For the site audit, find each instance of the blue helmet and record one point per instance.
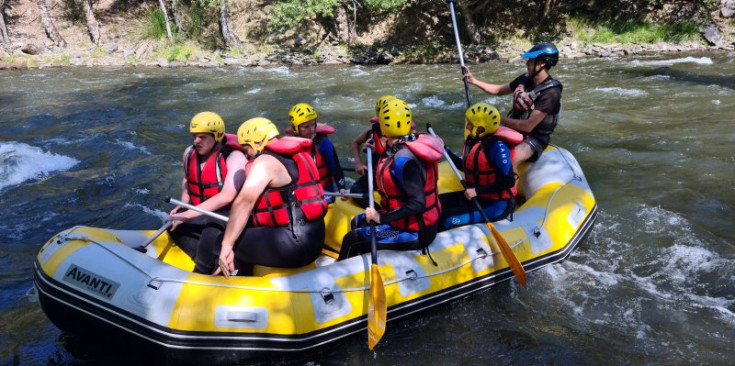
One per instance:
(546, 52)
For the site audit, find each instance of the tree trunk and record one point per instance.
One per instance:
(341, 23)
(469, 24)
(4, 35)
(548, 7)
(177, 14)
(92, 24)
(48, 25)
(224, 25)
(165, 19)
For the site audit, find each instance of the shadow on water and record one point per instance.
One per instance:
(675, 75)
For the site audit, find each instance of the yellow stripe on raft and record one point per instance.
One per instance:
(71, 246)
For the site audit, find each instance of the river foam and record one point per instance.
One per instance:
(683, 60)
(20, 162)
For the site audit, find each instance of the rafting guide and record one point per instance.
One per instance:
(536, 101)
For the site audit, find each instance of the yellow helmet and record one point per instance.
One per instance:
(395, 118)
(208, 122)
(485, 116)
(300, 114)
(381, 102)
(256, 130)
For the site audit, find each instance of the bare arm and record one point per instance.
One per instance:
(233, 181)
(266, 171)
(356, 145)
(493, 89)
(184, 188)
(524, 125)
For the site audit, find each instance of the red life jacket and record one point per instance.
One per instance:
(325, 179)
(203, 184)
(478, 170)
(428, 149)
(274, 204)
(376, 135)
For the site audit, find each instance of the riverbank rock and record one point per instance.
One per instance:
(712, 34)
(727, 8)
(111, 47)
(32, 49)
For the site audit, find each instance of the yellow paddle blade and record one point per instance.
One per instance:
(513, 262)
(377, 308)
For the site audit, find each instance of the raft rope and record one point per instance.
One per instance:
(70, 235)
(575, 177)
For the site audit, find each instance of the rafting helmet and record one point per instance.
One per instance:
(546, 52)
(256, 132)
(381, 101)
(395, 118)
(208, 122)
(300, 114)
(482, 115)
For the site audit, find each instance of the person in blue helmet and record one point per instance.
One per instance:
(536, 101)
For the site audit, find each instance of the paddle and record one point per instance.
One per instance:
(513, 262)
(197, 209)
(215, 215)
(337, 194)
(459, 50)
(507, 251)
(155, 235)
(377, 307)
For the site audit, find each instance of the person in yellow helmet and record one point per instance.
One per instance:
(278, 217)
(214, 170)
(372, 138)
(303, 120)
(406, 178)
(487, 159)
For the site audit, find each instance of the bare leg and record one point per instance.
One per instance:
(523, 152)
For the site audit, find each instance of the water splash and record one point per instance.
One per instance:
(695, 60)
(157, 213)
(130, 146)
(20, 162)
(623, 91)
(432, 101)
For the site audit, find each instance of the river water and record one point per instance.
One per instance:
(654, 282)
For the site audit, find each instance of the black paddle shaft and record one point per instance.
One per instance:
(459, 176)
(373, 244)
(459, 51)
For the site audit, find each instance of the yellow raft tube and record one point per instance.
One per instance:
(91, 282)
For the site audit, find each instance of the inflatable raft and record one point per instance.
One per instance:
(93, 283)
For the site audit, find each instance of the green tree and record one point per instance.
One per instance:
(333, 14)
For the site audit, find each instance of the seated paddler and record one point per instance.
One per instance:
(277, 218)
(214, 170)
(406, 178)
(303, 120)
(487, 162)
(369, 137)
